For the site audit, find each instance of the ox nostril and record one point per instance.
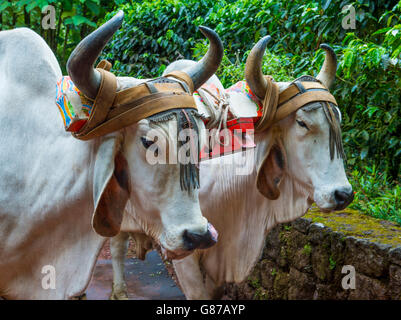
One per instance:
(343, 198)
(198, 241)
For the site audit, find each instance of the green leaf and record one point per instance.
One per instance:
(78, 20)
(374, 55)
(365, 135)
(325, 4)
(169, 34)
(349, 58)
(380, 31)
(4, 5)
(93, 7)
(364, 152)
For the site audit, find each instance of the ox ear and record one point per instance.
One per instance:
(111, 187)
(271, 171)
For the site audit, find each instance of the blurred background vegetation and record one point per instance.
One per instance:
(368, 84)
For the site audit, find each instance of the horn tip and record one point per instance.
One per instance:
(266, 39)
(213, 37)
(207, 31)
(119, 16)
(262, 43)
(329, 50)
(325, 46)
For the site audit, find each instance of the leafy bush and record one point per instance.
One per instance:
(74, 20)
(375, 195)
(156, 33)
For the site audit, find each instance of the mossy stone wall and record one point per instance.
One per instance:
(304, 260)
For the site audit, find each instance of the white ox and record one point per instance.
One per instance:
(51, 183)
(290, 169)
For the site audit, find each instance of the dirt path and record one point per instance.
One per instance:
(147, 279)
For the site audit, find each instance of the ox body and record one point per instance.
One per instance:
(290, 168)
(52, 185)
(46, 197)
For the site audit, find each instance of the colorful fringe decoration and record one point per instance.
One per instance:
(243, 87)
(74, 107)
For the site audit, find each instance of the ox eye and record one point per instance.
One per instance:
(147, 143)
(302, 124)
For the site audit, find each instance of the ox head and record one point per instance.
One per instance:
(306, 144)
(167, 212)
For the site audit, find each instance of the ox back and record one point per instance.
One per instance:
(45, 194)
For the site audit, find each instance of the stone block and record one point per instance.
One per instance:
(367, 288)
(301, 285)
(395, 282)
(367, 257)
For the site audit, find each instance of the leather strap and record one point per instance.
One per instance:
(113, 110)
(136, 102)
(299, 101)
(277, 106)
(182, 76)
(141, 111)
(142, 90)
(104, 64)
(103, 102)
(292, 90)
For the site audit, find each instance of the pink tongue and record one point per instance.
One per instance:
(212, 231)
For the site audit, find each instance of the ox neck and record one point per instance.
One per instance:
(242, 215)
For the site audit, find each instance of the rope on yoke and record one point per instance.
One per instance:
(218, 113)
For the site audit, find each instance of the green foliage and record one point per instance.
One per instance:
(254, 282)
(369, 92)
(332, 263)
(74, 20)
(307, 249)
(156, 33)
(375, 195)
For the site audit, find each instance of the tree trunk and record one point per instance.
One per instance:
(67, 31)
(83, 26)
(42, 31)
(27, 18)
(59, 22)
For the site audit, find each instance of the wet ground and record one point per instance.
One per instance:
(147, 279)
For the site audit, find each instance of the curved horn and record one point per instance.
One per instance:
(209, 64)
(327, 73)
(81, 61)
(253, 68)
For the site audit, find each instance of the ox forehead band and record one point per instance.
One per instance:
(114, 110)
(332, 116)
(302, 91)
